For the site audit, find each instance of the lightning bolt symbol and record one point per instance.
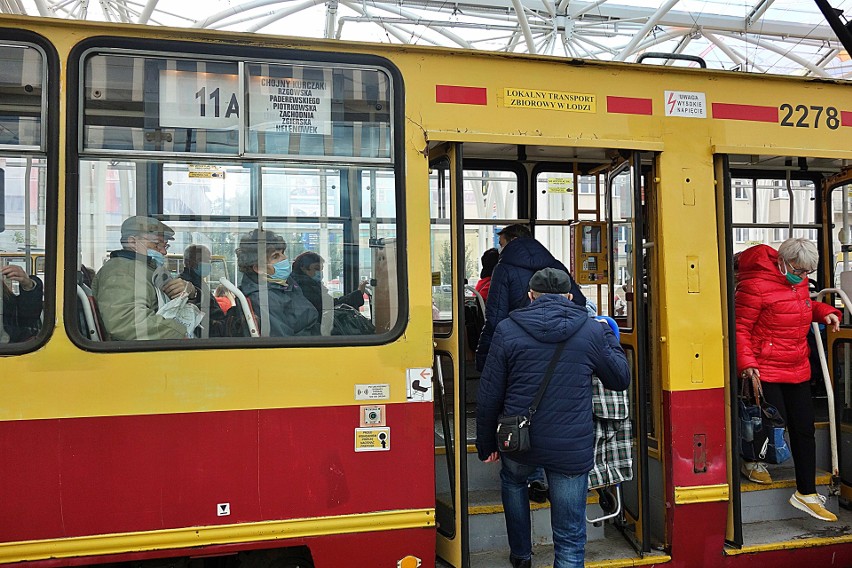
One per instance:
(671, 102)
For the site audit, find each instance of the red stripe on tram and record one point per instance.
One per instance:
(629, 105)
(752, 113)
(454, 94)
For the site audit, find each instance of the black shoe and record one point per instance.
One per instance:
(518, 563)
(538, 491)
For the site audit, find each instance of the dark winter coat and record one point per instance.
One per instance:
(290, 313)
(22, 313)
(562, 431)
(510, 282)
(773, 318)
(214, 316)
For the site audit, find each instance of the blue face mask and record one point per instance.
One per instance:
(203, 270)
(282, 269)
(158, 257)
(793, 278)
(317, 276)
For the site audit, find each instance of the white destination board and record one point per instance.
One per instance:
(290, 105)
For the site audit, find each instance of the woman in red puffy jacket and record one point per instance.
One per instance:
(773, 315)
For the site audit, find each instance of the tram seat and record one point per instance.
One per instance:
(474, 320)
(243, 305)
(90, 320)
(474, 316)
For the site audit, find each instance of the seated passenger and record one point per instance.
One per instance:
(22, 303)
(268, 286)
(307, 272)
(224, 297)
(125, 289)
(196, 268)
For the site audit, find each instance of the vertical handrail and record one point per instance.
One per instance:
(829, 390)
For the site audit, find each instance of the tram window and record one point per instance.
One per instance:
(761, 217)
(248, 199)
(23, 195)
(555, 195)
(21, 90)
(490, 194)
(345, 256)
(171, 105)
(22, 242)
(841, 238)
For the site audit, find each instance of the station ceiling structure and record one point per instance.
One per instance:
(787, 37)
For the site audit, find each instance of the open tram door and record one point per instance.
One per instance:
(631, 269)
(476, 189)
(449, 366)
(836, 258)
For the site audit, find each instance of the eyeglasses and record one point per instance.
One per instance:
(158, 242)
(798, 271)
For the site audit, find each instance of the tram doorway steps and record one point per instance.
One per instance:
(611, 550)
(485, 510)
(771, 502)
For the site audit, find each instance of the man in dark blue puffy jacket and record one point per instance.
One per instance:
(561, 431)
(520, 257)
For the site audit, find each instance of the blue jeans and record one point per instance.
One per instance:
(567, 513)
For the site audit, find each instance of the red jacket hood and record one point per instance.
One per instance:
(761, 261)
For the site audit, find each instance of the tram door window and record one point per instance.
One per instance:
(840, 200)
(490, 203)
(764, 207)
(23, 196)
(298, 212)
(841, 237)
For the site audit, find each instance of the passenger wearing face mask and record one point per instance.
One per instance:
(774, 311)
(196, 269)
(276, 298)
(308, 273)
(125, 287)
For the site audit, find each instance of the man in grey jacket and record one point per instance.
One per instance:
(125, 285)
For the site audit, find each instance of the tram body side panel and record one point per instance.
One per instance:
(122, 474)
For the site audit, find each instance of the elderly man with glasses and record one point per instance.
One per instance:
(126, 286)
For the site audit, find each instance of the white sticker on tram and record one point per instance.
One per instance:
(372, 392)
(372, 439)
(419, 385)
(686, 104)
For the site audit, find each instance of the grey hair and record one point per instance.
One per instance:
(801, 252)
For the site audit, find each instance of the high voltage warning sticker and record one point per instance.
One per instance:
(549, 100)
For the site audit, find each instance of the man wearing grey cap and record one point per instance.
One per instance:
(124, 287)
(561, 430)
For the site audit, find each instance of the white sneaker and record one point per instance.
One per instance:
(813, 505)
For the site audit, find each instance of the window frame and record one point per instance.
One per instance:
(140, 47)
(49, 151)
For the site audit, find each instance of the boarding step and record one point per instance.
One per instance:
(772, 502)
(488, 525)
(612, 550)
(799, 532)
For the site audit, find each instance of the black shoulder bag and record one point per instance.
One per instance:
(513, 432)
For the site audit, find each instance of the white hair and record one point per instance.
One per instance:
(801, 252)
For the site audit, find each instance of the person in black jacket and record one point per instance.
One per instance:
(196, 269)
(520, 257)
(307, 272)
(561, 431)
(22, 304)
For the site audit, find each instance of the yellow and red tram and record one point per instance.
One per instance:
(398, 165)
